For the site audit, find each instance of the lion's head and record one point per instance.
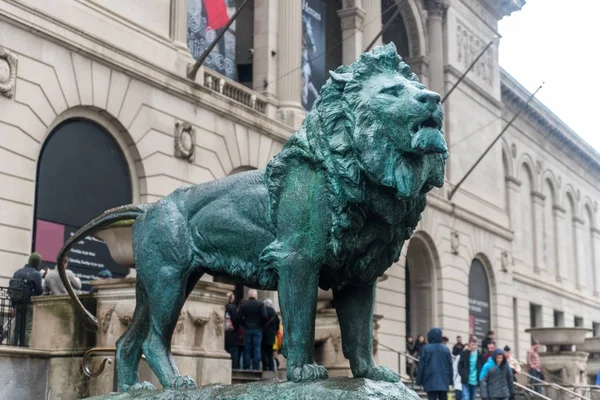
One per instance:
(373, 124)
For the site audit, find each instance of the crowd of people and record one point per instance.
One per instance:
(253, 333)
(468, 368)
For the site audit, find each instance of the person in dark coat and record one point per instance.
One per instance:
(496, 378)
(28, 282)
(469, 367)
(491, 337)
(231, 331)
(253, 316)
(457, 349)
(268, 339)
(435, 367)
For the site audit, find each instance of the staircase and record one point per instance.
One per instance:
(247, 376)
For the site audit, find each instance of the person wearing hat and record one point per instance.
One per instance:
(26, 281)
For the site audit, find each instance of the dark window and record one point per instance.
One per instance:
(82, 172)
(535, 315)
(596, 327)
(578, 321)
(559, 318)
(396, 31)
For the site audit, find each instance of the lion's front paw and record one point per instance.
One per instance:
(380, 374)
(306, 372)
(183, 382)
(139, 386)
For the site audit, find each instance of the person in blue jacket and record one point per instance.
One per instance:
(496, 378)
(435, 367)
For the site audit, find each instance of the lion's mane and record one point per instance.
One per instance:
(325, 140)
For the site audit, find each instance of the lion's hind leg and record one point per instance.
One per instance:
(129, 346)
(167, 294)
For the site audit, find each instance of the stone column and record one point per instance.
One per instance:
(581, 263)
(352, 18)
(596, 257)
(289, 55)
(563, 257)
(179, 25)
(538, 228)
(372, 22)
(513, 187)
(435, 17)
(265, 60)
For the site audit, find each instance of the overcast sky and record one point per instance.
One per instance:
(558, 42)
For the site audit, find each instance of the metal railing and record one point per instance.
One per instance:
(412, 371)
(13, 317)
(542, 383)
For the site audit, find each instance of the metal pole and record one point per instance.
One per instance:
(383, 29)
(451, 194)
(470, 68)
(193, 69)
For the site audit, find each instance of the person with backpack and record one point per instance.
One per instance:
(25, 283)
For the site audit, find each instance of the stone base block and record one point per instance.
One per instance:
(336, 388)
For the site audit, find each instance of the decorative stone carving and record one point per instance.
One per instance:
(513, 150)
(504, 261)
(185, 139)
(481, 11)
(8, 72)
(469, 46)
(436, 6)
(454, 242)
(105, 318)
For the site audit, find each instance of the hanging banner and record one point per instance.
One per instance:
(313, 50)
(87, 258)
(206, 19)
(479, 301)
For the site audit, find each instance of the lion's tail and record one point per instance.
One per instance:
(128, 212)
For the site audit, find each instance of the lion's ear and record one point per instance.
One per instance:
(342, 78)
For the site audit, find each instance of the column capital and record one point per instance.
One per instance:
(578, 222)
(558, 210)
(351, 18)
(436, 7)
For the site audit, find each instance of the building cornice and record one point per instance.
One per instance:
(514, 96)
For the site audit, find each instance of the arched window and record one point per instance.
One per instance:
(232, 56)
(588, 272)
(550, 231)
(396, 31)
(479, 301)
(570, 240)
(524, 234)
(81, 173)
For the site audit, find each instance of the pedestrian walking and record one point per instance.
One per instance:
(458, 347)
(457, 380)
(534, 366)
(469, 367)
(435, 367)
(496, 378)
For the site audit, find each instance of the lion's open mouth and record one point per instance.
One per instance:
(430, 122)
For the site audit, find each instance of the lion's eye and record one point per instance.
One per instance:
(392, 90)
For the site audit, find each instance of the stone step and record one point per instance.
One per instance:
(246, 376)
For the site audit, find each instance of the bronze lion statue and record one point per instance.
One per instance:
(331, 210)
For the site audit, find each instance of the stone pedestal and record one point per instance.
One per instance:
(592, 347)
(564, 367)
(59, 333)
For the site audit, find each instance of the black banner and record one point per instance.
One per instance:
(479, 301)
(313, 70)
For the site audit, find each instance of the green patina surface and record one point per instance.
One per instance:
(331, 389)
(331, 210)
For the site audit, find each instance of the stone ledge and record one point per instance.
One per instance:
(331, 389)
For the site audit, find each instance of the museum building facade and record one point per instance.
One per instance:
(97, 110)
